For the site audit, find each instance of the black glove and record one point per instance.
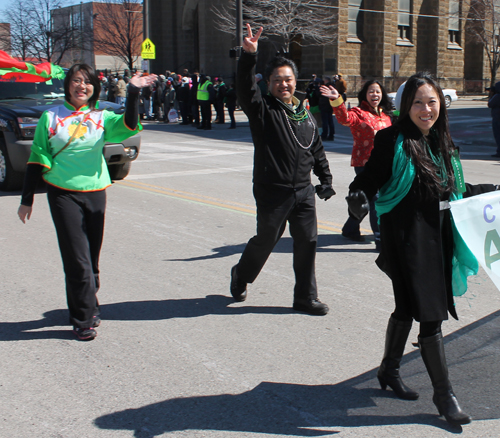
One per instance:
(358, 204)
(324, 191)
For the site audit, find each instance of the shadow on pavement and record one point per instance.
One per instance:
(326, 243)
(301, 410)
(154, 310)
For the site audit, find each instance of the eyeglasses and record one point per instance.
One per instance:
(78, 82)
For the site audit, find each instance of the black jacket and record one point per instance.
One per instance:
(278, 158)
(417, 240)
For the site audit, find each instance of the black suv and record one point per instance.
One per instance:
(21, 105)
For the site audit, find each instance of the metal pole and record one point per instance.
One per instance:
(239, 23)
(145, 25)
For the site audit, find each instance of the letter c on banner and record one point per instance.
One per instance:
(485, 214)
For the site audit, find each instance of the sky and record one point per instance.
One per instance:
(5, 3)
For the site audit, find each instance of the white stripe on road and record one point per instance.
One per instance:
(193, 172)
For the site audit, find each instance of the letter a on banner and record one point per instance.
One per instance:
(478, 221)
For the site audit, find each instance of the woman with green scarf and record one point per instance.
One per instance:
(416, 168)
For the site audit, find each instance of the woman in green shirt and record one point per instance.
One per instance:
(67, 154)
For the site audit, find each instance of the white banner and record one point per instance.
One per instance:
(478, 221)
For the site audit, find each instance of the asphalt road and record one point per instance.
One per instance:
(176, 357)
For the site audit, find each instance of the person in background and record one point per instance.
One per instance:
(205, 96)
(416, 167)
(370, 116)
(261, 83)
(326, 110)
(146, 93)
(230, 101)
(494, 104)
(157, 98)
(120, 91)
(341, 86)
(184, 98)
(67, 152)
(287, 147)
(195, 107)
(221, 90)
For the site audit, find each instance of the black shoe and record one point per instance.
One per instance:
(85, 334)
(238, 287)
(355, 237)
(378, 245)
(96, 321)
(330, 138)
(232, 127)
(313, 307)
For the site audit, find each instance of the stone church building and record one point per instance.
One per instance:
(383, 39)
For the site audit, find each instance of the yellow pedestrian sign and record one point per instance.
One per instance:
(148, 50)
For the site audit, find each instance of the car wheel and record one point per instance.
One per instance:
(447, 101)
(119, 171)
(9, 178)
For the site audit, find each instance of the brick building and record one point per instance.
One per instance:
(91, 21)
(374, 38)
(5, 37)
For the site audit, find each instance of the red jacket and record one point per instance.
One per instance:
(364, 123)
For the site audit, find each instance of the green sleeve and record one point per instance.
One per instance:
(40, 149)
(115, 129)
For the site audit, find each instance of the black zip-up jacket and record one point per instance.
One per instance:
(278, 158)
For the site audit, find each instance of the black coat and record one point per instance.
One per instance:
(278, 158)
(417, 239)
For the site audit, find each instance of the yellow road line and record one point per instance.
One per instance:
(215, 202)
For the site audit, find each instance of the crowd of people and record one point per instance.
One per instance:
(407, 170)
(188, 98)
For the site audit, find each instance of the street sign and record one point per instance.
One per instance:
(148, 50)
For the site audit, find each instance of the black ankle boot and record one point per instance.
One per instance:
(432, 350)
(388, 373)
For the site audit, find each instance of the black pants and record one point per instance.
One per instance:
(79, 221)
(230, 110)
(219, 108)
(206, 114)
(276, 206)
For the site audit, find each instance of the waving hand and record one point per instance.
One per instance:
(250, 43)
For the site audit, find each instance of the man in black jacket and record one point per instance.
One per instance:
(287, 147)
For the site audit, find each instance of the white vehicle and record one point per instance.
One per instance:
(450, 95)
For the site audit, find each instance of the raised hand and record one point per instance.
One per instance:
(329, 91)
(143, 81)
(250, 42)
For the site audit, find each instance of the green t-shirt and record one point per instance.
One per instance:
(81, 165)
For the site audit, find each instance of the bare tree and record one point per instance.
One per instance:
(19, 39)
(483, 26)
(120, 29)
(303, 22)
(50, 38)
(34, 33)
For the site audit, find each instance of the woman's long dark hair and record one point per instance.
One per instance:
(416, 145)
(385, 103)
(89, 72)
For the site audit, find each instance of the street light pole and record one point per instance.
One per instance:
(239, 23)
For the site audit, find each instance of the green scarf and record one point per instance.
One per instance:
(403, 173)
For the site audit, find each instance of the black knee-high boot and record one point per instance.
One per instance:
(432, 350)
(388, 373)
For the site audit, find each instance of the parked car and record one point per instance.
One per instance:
(450, 95)
(21, 105)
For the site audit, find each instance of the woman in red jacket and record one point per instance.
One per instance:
(365, 120)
